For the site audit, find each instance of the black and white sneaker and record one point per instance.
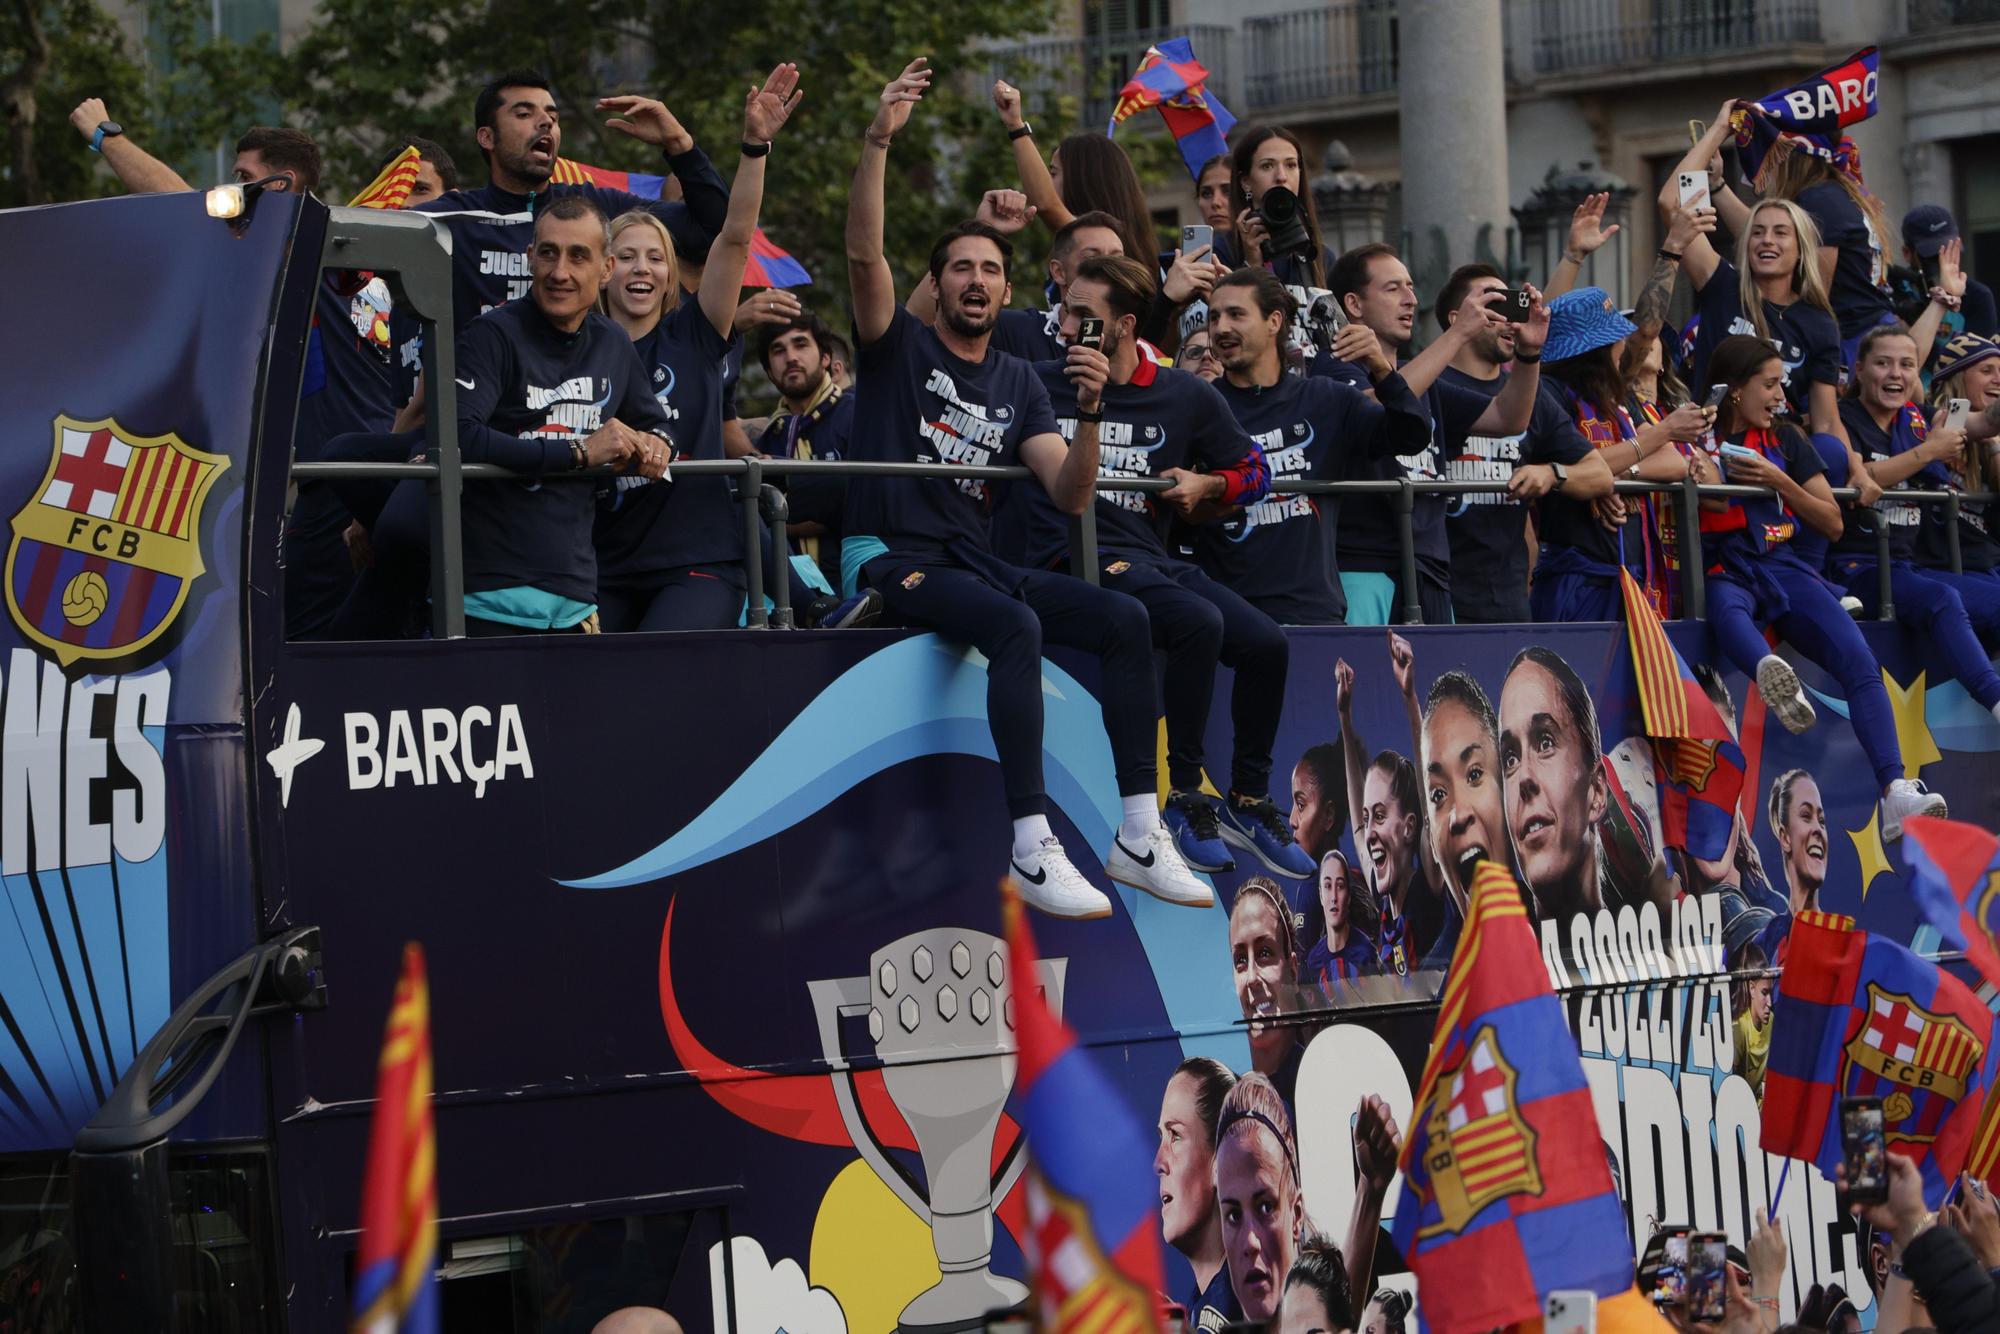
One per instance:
(1050, 881)
(1156, 866)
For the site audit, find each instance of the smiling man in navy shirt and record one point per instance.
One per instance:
(945, 395)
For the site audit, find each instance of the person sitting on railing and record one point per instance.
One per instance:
(1903, 452)
(1278, 554)
(1489, 531)
(1586, 539)
(944, 395)
(1376, 291)
(1165, 423)
(671, 557)
(1756, 580)
(1968, 368)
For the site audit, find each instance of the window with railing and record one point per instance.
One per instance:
(1341, 50)
(1575, 35)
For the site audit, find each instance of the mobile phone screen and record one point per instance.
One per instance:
(1865, 1149)
(1670, 1285)
(1707, 1286)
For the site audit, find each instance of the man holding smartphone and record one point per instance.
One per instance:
(1165, 423)
(944, 394)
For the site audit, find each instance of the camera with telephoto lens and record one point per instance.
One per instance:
(1285, 220)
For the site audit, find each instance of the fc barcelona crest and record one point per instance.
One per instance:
(1479, 1147)
(1918, 1062)
(108, 546)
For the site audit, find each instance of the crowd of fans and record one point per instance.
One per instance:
(601, 337)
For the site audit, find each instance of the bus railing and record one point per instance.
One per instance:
(764, 509)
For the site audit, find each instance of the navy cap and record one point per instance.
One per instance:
(1927, 227)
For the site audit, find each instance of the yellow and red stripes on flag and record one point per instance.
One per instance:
(392, 188)
(160, 484)
(1947, 1049)
(570, 172)
(1495, 897)
(1491, 1152)
(1982, 1160)
(1662, 700)
(394, 1272)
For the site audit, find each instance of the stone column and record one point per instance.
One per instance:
(1453, 136)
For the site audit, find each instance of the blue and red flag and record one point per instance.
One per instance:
(1955, 877)
(395, 1289)
(1699, 764)
(1811, 113)
(1093, 1202)
(1171, 79)
(1506, 1192)
(768, 266)
(1860, 1016)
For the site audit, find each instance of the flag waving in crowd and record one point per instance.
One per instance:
(768, 267)
(1171, 79)
(1507, 1194)
(1093, 1201)
(1699, 764)
(1812, 114)
(395, 1291)
(391, 188)
(1955, 878)
(1860, 1016)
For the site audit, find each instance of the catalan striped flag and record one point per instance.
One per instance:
(395, 1288)
(391, 189)
(1092, 1240)
(768, 267)
(1171, 79)
(1507, 1194)
(1860, 1016)
(1699, 764)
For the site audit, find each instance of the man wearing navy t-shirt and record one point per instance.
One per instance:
(944, 395)
(1278, 552)
(1375, 291)
(547, 386)
(1166, 423)
(519, 130)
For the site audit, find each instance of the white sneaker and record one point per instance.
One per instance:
(1157, 867)
(1049, 881)
(1851, 605)
(1779, 685)
(1906, 797)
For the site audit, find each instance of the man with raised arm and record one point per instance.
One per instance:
(943, 395)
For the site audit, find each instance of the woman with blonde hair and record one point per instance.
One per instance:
(671, 557)
(1264, 959)
(1258, 1194)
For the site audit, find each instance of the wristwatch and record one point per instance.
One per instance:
(105, 129)
(1562, 474)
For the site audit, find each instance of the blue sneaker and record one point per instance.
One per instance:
(1258, 828)
(1197, 829)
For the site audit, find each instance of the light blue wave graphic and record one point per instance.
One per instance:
(84, 978)
(920, 697)
(1955, 718)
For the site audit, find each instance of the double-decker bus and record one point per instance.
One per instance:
(721, 1016)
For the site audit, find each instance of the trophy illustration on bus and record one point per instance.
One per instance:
(939, 1007)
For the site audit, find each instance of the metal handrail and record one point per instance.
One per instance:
(768, 507)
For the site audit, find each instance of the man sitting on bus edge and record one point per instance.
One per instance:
(1160, 422)
(945, 394)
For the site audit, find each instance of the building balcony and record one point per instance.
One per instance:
(1627, 37)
